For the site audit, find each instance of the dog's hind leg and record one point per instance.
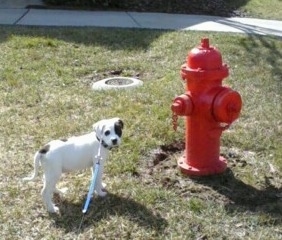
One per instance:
(49, 187)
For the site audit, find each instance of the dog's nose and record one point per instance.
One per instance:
(114, 141)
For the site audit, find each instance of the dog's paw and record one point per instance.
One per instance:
(104, 185)
(102, 193)
(53, 209)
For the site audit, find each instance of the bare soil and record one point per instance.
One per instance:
(227, 188)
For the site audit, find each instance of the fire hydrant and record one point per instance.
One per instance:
(209, 109)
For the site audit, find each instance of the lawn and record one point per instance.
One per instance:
(45, 79)
(259, 8)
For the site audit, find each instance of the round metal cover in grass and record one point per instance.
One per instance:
(117, 83)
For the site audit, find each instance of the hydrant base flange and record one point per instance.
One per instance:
(217, 167)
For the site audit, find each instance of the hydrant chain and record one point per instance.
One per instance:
(174, 121)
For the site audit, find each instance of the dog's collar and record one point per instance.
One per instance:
(103, 143)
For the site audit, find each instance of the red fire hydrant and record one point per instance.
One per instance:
(209, 109)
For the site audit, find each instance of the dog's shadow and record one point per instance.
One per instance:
(71, 218)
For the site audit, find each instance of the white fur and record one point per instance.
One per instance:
(74, 154)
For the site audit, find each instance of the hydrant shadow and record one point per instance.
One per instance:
(244, 197)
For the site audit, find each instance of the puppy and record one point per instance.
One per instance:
(76, 153)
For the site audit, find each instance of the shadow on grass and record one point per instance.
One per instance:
(235, 4)
(244, 197)
(102, 209)
(272, 57)
(220, 8)
(225, 188)
(112, 38)
(250, 29)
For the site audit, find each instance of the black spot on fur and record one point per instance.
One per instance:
(64, 140)
(118, 127)
(45, 149)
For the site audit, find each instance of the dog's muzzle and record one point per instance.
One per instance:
(106, 145)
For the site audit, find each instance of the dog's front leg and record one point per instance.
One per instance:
(99, 184)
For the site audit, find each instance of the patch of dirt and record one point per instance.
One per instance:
(164, 152)
(161, 169)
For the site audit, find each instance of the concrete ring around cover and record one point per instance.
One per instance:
(117, 83)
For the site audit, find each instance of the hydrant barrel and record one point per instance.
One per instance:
(209, 109)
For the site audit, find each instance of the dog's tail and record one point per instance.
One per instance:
(37, 158)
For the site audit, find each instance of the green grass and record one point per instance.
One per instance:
(45, 79)
(259, 8)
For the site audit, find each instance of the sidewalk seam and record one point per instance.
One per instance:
(134, 20)
(21, 17)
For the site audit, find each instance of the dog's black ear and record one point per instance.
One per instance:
(120, 122)
(119, 126)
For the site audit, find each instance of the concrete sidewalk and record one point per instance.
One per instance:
(16, 13)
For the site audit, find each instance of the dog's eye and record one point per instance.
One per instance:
(107, 133)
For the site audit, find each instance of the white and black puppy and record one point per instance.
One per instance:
(76, 153)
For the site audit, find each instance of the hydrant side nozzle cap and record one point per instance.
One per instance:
(176, 106)
(227, 106)
(182, 105)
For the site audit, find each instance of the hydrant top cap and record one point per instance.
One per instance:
(204, 57)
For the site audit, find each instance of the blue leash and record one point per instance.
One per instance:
(92, 186)
(93, 180)
(91, 190)
(96, 169)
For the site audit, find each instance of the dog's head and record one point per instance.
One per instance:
(109, 132)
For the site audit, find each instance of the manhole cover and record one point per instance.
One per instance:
(117, 83)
